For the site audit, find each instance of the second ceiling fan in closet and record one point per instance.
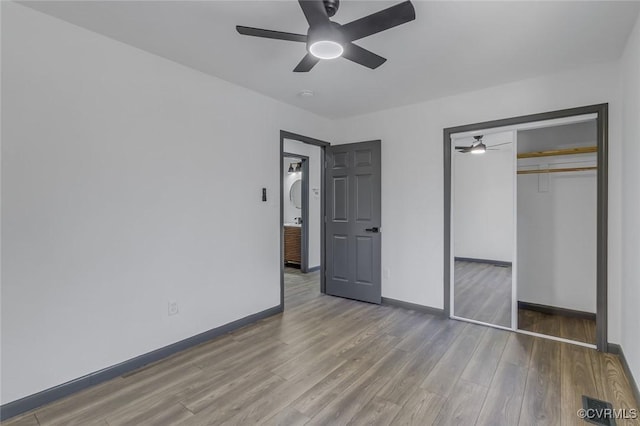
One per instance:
(478, 146)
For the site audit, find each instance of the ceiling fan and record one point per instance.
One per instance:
(326, 39)
(478, 147)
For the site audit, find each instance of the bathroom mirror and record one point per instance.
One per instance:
(295, 194)
(483, 227)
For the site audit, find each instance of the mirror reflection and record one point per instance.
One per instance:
(483, 227)
(295, 194)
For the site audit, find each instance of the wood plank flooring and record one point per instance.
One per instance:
(482, 292)
(578, 329)
(332, 361)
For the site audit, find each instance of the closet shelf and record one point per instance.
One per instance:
(558, 170)
(568, 151)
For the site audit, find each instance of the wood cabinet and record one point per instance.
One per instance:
(292, 244)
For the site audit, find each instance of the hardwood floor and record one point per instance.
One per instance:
(333, 361)
(299, 287)
(482, 292)
(578, 329)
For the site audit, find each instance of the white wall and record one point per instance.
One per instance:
(412, 171)
(314, 154)
(115, 179)
(557, 220)
(630, 89)
(482, 205)
(557, 235)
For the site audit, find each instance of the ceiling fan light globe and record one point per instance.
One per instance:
(326, 49)
(480, 149)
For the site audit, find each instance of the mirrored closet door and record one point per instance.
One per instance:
(483, 227)
(524, 226)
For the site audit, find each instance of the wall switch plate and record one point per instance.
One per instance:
(173, 308)
(386, 273)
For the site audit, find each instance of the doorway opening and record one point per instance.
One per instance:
(526, 224)
(302, 200)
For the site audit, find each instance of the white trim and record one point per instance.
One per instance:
(452, 262)
(514, 257)
(557, 339)
(501, 327)
(529, 333)
(528, 126)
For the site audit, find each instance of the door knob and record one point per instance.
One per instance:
(374, 229)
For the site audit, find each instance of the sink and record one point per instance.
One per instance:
(292, 224)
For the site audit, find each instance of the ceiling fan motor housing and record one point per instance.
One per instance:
(325, 33)
(331, 6)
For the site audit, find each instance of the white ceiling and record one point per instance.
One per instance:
(451, 47)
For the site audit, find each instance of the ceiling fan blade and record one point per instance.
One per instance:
(498, 144)
(379, 21)
(278, 35)
(362, 56)
(315, 12)
(464, 149)
(306, 63)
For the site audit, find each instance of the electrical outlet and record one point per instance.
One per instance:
(173, 308)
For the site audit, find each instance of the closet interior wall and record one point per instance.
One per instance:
(556, 228)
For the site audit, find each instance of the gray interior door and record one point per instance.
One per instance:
(353, 221)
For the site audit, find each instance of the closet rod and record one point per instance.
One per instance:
(558, 170)
(568, 151)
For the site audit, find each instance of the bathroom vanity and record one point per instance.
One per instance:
(292, 243)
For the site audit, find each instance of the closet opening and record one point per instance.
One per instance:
(526, 224)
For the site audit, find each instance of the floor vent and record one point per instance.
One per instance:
(598, 412)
